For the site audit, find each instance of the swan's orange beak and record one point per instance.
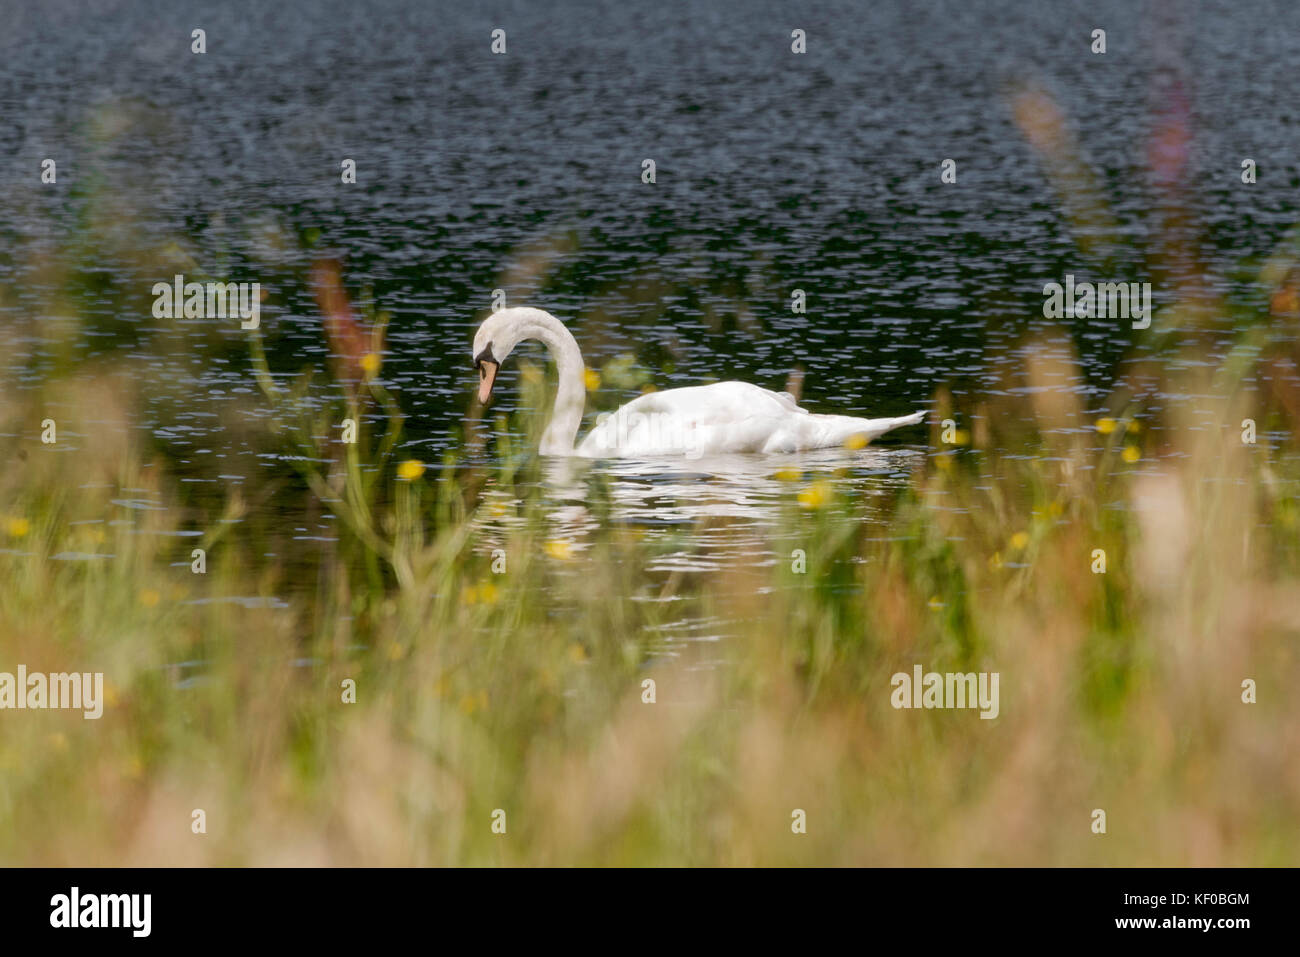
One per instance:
(487, 374)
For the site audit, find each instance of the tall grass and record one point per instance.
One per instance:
(523, 690)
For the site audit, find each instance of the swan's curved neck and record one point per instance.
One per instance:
(571, 396)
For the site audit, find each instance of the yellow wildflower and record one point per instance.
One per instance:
(557, 548)
(485, 594)
(410, 470)
(815, 495)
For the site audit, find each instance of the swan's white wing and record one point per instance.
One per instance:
(723, 418)
(722, 402)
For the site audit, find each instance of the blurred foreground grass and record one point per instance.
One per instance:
(523, 690)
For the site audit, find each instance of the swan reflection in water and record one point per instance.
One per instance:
(705, 512)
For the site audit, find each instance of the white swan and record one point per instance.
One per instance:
(693, 421)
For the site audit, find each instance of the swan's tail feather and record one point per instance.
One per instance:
(841, 429)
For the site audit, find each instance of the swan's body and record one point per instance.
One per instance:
(696, 420)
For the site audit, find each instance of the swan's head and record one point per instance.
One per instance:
(495, 339)
(501, 332)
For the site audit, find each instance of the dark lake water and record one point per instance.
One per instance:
(522, 171)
